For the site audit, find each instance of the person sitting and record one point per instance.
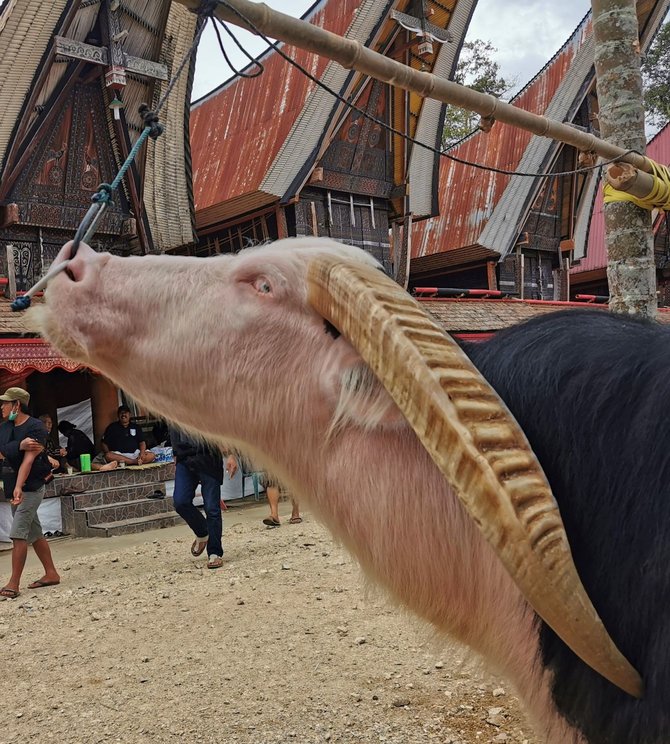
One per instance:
(79, 444)
(124, 442)
(55, 452)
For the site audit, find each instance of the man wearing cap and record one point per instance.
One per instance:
(124, 441)
(25, 467)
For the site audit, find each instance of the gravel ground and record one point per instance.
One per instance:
(141, 643)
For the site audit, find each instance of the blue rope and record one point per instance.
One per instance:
(101, 200)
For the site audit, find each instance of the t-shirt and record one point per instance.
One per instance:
(11, 436)
(78, 444)
(121, 438)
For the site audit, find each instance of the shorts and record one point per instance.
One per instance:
(26, 524)
(130, 455)
(268, 481)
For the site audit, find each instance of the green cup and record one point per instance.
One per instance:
(85, 461)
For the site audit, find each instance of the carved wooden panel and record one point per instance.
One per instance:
(68, 165)
(358, 160)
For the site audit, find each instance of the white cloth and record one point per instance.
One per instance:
(49, 514)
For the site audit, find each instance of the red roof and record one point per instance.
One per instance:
(237, 131)
(467, 197)
(23, 355)
(469, 316)
(596, 252)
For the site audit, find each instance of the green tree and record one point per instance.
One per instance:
(477, 69)
(655, 77)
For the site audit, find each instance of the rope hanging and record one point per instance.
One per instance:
(657, 198)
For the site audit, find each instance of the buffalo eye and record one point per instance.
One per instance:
(263, 286)
(330, 329)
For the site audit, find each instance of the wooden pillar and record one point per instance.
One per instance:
(282, 226)
(11, 273)
(491, 275)
(104, 402)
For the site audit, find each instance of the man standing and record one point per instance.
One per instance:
(25, 467)
(124, 441)
(197, 463)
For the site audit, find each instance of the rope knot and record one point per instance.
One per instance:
(150, 119)
(103, 194)
(207, 8)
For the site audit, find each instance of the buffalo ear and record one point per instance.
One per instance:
(359, 399)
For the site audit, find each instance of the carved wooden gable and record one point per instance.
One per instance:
(68, 165)
(358, 160)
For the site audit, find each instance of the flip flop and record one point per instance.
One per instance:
(270, 522)
(39, 584)
(295, 520)
(215, 561)
(7, 593)
(199, 545)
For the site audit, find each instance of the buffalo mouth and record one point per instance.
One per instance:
(476, 443)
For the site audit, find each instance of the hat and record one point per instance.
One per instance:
(16, 393)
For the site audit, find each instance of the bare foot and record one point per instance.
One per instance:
(109, 465)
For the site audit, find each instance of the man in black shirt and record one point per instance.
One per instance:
(124, 441)
(25, 467)
(199, 464)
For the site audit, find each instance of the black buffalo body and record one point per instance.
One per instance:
(591, 390)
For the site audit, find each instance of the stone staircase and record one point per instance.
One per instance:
(115, 502)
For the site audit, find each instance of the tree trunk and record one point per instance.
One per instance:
(631, 270)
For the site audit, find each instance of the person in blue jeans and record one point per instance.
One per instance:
(198, 464)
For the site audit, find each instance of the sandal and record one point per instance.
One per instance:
(295, 520)
(270, 522)
(215, 561)
(7, 593)
(199, 545)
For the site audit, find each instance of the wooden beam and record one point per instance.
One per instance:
(74, 49)
(353, 55)
(11, 273)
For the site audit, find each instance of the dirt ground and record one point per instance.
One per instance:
(142, 643)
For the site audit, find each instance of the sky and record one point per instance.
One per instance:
(527, 33)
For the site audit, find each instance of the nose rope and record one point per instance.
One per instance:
(102, 198)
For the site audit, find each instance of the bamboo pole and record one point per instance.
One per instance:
(355, 56)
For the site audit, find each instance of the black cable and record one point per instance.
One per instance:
(393, 130)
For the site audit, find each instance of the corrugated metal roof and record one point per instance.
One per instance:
(596, 254)
(308, 128)
(237, 131)
(260, 136)
(482, 316)
(489, 208)
(503, 227)
(422, 164)
(468, 197)
(469, 254)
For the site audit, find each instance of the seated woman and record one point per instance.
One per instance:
(55, 452)
(79, 444)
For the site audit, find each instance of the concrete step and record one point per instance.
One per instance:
(139, 524)
(114, 494)
(122, 510)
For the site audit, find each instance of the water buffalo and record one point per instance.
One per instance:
(426, 478)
